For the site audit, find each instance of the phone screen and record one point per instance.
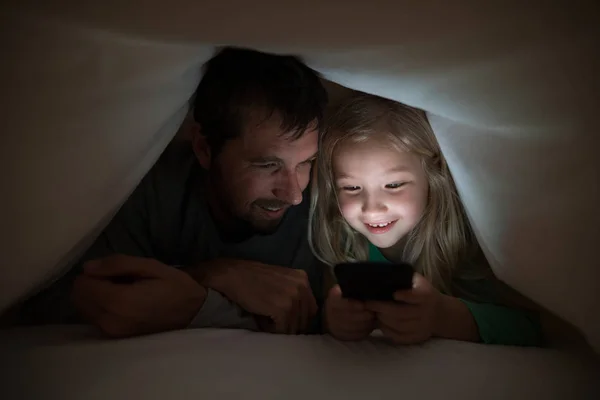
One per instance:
(373, 280)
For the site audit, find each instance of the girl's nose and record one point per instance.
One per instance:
(373, 205)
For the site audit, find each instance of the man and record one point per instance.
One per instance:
(216, 233)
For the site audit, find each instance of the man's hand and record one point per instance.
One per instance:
(283, 295)
(347, 319)
(414, 318)
(128, 296)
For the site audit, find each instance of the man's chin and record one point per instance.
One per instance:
(266, 227)
(264, 222)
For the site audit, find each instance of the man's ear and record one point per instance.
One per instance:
(200, 146)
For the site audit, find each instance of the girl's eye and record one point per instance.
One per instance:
(395, 185)
(351, 188)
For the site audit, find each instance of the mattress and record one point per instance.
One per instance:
(70, 363)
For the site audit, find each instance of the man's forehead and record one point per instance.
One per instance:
(264, 128)
(268, 136)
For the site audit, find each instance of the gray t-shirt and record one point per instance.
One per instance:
(167, 218)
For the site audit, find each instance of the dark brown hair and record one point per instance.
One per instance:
(239, 81)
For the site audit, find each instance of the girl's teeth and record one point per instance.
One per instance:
(379, 225)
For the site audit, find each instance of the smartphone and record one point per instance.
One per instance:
(373, 280)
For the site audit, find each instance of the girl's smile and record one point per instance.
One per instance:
(381, 227)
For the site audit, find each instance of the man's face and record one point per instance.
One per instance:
(263, 172)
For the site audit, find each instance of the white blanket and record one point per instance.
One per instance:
(70, 364)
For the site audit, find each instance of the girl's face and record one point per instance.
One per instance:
(382, 191)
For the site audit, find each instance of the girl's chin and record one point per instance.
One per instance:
(382, 242)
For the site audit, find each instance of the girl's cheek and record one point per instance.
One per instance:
(418, 202)
(414, 209)
(348, 207)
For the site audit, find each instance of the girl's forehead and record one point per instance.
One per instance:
(382, 138)
(372, 155)
(368, 145)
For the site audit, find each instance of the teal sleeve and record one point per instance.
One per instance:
(497, 324)
(508, 326)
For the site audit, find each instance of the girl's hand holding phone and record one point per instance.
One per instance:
(347, 319)
(414, 319)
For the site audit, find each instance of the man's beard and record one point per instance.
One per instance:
(236, 226)
(268, 226)
(245, 225)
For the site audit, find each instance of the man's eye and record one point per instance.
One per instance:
(307, 163)
(267, 166)
(395, 185)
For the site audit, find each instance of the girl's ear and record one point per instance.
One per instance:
(200, 146)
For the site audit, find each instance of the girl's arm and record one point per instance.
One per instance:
(501, 314)
(499, 324)
(504, 316)
(455, 321)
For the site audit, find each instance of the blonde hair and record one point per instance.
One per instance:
(442, 238)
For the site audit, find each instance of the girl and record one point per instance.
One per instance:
(383, 192)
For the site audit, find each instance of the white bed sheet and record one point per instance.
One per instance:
(71, 363)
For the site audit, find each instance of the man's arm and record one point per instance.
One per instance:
(280, 295)
(220, 312)
(130, 235)
(127, 233)
(135, 278)
(52, 304)
(329, 282)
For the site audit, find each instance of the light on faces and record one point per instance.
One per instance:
(382, 191)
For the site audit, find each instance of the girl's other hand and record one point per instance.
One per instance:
(414, 318)
(347, 319)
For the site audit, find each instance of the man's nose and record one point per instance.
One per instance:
(288, 188)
